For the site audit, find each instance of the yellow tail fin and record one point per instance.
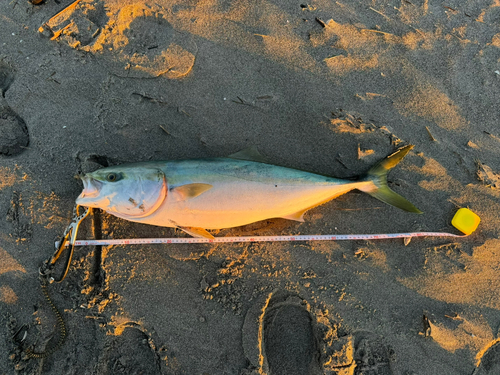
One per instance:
(380, 190)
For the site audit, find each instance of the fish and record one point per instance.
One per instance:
(216, 193)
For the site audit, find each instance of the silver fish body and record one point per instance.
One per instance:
(195, 195)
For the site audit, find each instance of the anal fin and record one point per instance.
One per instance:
(197, 232)
(299, 215)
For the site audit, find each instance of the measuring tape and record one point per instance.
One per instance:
(464, 220)
(327, 237)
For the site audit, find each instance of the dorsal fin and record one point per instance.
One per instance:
(249, 154)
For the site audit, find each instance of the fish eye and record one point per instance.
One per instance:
(112, 177)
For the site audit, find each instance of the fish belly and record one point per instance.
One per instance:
(242, 192)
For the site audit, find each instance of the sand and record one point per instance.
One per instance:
(327, 86)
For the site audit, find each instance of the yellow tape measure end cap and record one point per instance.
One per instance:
(465, 221)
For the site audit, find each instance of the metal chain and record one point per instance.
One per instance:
(60, 323)
(46, 270)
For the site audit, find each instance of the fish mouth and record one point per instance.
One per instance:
(91, 190)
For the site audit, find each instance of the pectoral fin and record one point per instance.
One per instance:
(197, 232)
(190, 190)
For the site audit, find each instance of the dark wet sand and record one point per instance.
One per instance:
(326, 86)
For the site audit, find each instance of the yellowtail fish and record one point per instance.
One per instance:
(216, 193)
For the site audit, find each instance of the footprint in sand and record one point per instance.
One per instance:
(281, 336)
(134, 33)
(490, 361)
(129, 353)
(14, 135)
(371, 355)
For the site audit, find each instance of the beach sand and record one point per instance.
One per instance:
(326, 86)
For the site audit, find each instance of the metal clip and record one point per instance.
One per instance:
(17, 337)
(68, 239)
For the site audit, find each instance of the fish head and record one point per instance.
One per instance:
(127, 192)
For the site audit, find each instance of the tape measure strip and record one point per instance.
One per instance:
(327, 237)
